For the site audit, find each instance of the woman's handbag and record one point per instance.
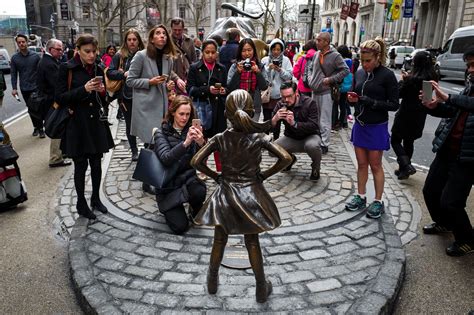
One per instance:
(204, 112)
(8, 155)
(57, 117)
(113, 86)
(265, 95)
(152, 171)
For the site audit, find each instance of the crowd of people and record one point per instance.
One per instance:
(170, 79)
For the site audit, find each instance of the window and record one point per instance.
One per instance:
(446, 46)
(461, 44)
(182, 11)
(86, 11)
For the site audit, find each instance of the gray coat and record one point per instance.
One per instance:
(149, 102)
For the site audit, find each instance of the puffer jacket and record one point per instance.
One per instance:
(170, 149)
(450, 111)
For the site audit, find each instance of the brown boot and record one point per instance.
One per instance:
(263, 291)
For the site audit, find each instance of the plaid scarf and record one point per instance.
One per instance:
(248, 81)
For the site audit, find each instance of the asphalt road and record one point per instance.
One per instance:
(34, 265)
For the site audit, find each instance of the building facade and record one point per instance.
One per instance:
(432, 24)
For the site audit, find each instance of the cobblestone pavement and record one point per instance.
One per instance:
(322, 259)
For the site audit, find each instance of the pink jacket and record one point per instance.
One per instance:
(298, 70)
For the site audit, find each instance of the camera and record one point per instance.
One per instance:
(276, 62)
(247, 64)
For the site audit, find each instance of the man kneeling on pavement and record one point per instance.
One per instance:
(299, 114)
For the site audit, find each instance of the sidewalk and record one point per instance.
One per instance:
(322, 259)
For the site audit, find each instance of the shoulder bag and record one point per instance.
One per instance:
(58, 117)
(113, 86)
(150, 170)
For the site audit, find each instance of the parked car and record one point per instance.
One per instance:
(402, 52)
(449, 62)
(4, 61)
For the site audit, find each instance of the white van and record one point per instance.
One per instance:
(449, 62)
(402, 52)
(4, 61)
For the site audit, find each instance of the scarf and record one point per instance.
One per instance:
(248, 81)
(210, 66)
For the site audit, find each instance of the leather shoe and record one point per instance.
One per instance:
(60, 164)
(97, 205)
(135, 156)
(314, 175)
(149, 189)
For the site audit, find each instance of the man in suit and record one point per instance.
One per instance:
(47, 76)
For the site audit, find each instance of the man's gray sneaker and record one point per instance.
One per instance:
(357, 203)
(375, 210)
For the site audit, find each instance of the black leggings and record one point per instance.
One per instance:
(80, 168)
(400, 149)
(127, 113)
(176, 217)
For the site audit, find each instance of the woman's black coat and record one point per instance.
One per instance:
(170, 150)
(411, 116)
(198, 88)
(87, 133)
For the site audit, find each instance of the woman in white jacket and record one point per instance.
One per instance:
(279, 70)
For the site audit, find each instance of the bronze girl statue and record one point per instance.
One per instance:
(240, 204)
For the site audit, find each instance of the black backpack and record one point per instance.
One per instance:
(308, 70)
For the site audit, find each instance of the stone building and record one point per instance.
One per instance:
(432, 24)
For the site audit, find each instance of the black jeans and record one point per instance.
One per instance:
(37, 122)
(176, 217)
(400, 149)
(339, 111)
(127, 113)
(446, 190)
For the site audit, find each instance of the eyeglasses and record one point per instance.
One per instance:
(58, 49)
(288, 96)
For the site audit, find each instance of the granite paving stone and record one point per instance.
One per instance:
(322, 260)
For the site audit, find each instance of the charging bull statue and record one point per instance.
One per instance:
(243, 24)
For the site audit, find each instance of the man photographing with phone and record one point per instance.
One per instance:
(451, 175)
(299, 114)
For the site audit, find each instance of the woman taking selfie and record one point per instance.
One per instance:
(118, 70)
(176, 142)
(375, 94)
(207, 87)
(87, 134)
(248, 74)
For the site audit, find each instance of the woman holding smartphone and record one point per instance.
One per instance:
(410, 118)
(375, 94)
(87, 134)
(207, 87)
(118, 70)
(176, 142)
(248, 74)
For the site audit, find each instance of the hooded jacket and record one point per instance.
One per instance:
(276, 78)
(298, 70)
(333, 67)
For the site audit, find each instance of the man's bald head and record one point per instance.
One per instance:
(323, 40)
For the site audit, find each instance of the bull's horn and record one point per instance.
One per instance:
(236, 10)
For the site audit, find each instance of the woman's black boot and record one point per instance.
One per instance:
(97, 205)
(84, 210)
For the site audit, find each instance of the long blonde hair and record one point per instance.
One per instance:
(124, 48)
(239, 110)
(377, 47)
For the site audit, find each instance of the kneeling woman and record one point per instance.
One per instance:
(240, 204)
(177, 142)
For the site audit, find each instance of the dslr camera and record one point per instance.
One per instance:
(247, 64)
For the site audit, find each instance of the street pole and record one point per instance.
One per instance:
(213, 12)
(311, 23)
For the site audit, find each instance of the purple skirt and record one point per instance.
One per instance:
(371, 137)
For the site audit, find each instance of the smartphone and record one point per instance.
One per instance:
(427, 91)
(196, 123)
(352, 94)
(218, 85)
(99, 78)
